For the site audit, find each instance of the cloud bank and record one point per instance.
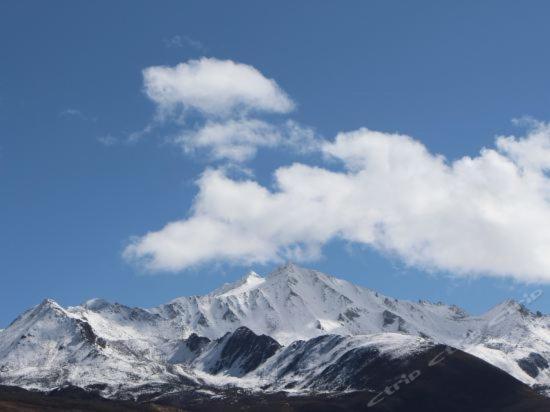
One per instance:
(488, 214)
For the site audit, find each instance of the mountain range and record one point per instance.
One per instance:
(295, 333)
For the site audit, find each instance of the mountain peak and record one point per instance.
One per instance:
(506, 309)
(291, 274)
(49, 302)
(290, 266)
(288, 269)
(96, 304)
(47, 305)
(252, 275)
(248, 282)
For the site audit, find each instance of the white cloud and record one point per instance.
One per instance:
(214, 88)
(235, 140)
(532, 153)
(239, 139)
(488, 214)
(218, 106)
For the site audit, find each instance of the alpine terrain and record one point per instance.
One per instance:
(296, 338)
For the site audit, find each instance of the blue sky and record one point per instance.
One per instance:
(75, 188)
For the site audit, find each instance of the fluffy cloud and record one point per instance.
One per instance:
(238, 140)
(226, 101)
(235, 140)
(214, 88)
(488, 214)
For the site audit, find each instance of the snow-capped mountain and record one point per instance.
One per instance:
(294, 303)
(296, 329)
(48, 347)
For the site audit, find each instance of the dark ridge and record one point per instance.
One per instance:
(300, 349)
(532, 364)
(244, 351)
(388, 317)
(89, 334)
(196, 343)
(87, 331)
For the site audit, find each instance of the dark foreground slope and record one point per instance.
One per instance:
(455, 382)
(69, 399)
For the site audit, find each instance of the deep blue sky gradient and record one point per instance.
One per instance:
(451, 74)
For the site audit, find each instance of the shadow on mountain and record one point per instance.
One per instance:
(455, 382)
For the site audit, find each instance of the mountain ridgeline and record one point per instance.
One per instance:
(296, 331)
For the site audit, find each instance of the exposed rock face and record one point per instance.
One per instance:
(196, 343)
(533, 364)
(242, 351)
